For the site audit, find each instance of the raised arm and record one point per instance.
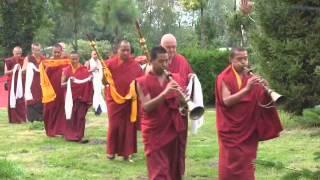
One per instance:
(232, 99)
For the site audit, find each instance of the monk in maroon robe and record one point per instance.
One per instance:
(178, 64)
(53, 112)
(161, 122)
(122, 134)
(16, 114)
(241, 121)
(82, 98)
(34, 103)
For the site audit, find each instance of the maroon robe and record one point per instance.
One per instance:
(160, 131)
(241, 126)
(122, 134)
(181, 66)
(53, 112)
(17, 114)
(82, 99)
(35, 106)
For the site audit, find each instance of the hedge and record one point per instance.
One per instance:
(207, 64)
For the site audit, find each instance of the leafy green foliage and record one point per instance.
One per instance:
(9, 170)
(194, 4)
(84, 49)
(310, 117)
(207, 65)
(20, 20)
(117, 16)
(286, 45)
(235, 21)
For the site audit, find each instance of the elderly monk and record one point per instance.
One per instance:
(122, 133)
(161, 122)
(54, 114)
(33, 95)
(95, 68)
(77, 80)
(13, 68)
(241, 121)
(178, 64)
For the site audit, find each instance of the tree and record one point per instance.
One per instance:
(117, 16)
(197, 5)
(287, 47)
(20, 20)
(74, 19)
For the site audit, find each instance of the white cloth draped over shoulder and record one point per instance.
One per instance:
(194, 90)
(69, 100)
(31, 68)
(19, 90)
(97, 74)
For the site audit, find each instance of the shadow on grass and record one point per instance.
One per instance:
(317, 156)
(97, 141)
(9, 170)
(315, 133)
(302, 174)
(292, 173)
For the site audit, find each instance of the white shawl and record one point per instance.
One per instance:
(69, 100)
(98, 99)
(194, 87)
(19, 90)
(29, 79)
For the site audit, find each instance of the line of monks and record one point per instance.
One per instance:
(60, 90)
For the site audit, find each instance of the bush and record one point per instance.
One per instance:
(310, 117)
(287, 48)
(9, 170)
(207, 64)
(84, 49)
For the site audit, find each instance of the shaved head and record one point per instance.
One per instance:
(124, 50)
(168, 38)
(169, 42)
(17, 51)
(35, 49)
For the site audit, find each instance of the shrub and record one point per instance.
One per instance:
(287, 48)
(9, 170)
(310, 117)
(207, 64)
(84, 49)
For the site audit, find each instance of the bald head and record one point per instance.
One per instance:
(169, 42)
(17, 51)
(94, 55)
(63, 45)
(124, 50)
(57, 51)
(35, 48)
(168, 38)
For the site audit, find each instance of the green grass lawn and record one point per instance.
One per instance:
(26, 153)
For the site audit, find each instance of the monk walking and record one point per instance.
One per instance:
(241, 121)
(122, 133)
(180, 65)
(33, 93)
(78, 94)
(54, 114)
(13, 68)
(161, 122)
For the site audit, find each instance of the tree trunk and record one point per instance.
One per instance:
(76, 26)
(202, 35)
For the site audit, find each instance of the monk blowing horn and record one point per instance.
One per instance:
(93, 45)
(276, 98)
(195, 112)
